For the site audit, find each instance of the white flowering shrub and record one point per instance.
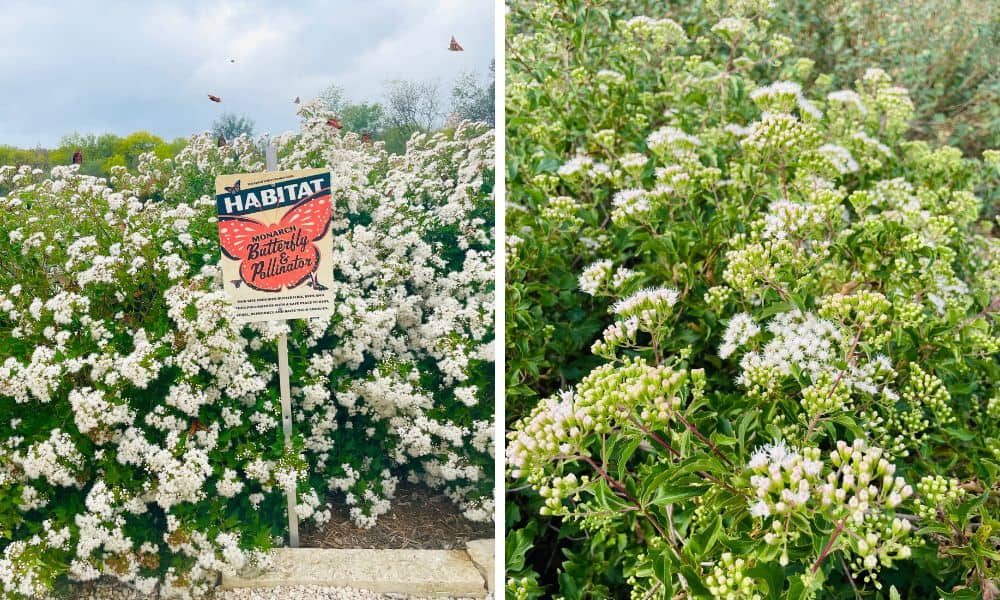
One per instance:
(776, 367)
(140, 434)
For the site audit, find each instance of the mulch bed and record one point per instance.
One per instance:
(420, 518)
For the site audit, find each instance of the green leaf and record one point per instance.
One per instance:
(700, 545)
(663, 570)
(517, 545)
(672, 493)
(569, 587)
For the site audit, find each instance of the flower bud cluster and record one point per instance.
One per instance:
(562, 211)
(934, 493)
(611, 396)
(891, 103)
(926, 390)
(823, 396)
(862, 481)
(659, 33)
(595, 277)
(859, 491)
(728, 580)
(781, 136)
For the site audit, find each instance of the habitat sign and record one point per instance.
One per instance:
(274, 234)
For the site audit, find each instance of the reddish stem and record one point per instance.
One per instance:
(829, 545)
(659, 440)
(836, 382)
(701, 437)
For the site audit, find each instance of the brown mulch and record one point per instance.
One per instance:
(420, 518)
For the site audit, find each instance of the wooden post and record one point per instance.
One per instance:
(271, 161)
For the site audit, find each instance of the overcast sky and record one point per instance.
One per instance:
(95, 66)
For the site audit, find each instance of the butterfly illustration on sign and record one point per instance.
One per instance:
(280, 255)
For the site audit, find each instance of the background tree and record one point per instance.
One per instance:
(472, 101)
(363, 117)
(412, 104)
(101, 152)
(334, 98)
(35, 157)
(231, 126)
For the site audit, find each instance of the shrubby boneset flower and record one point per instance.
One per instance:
(144, 410)
(791, 389)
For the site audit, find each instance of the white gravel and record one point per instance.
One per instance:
(110, 591)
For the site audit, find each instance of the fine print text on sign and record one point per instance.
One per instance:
(274, 234)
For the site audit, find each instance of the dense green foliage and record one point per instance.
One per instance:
(784, 280)
(943, 52)
(100, 152)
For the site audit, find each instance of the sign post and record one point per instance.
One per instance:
(274, 234)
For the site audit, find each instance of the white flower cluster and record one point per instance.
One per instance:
(807, 344)
(782, 97)
(860, 492)
(739, 331)
(595, 276)
(671, 141)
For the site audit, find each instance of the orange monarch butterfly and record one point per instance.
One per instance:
(214, 98)
(195, 427)
(335, 123)
(305, 223)
(233, 189)
(454, 46)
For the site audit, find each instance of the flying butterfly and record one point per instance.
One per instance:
(296, 100)
(233, 189)
(309, 218)
(221, 141)
(78, 158)
(366, 138)
(214, 98)
(454, 46)
(335, 123)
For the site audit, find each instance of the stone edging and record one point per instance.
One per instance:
(428, 573)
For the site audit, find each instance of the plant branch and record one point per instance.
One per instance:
(829, 545)
(702, 437)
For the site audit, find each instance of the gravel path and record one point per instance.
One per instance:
(117, 592)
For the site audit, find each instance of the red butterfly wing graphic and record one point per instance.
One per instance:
(311, 216)
(295, 262)
(236, 233)
(290, 279)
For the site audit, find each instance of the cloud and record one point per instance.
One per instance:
(118, 66)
